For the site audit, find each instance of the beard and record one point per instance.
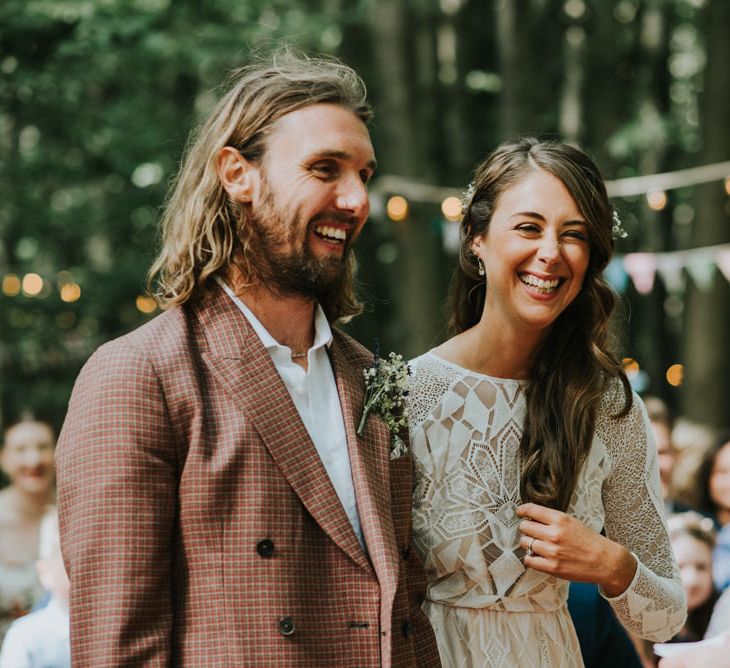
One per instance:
(295, 271)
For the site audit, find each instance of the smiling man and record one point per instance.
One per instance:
(217, 506)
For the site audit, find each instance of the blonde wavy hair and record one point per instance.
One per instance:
(203, 232)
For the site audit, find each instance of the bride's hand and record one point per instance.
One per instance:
(561, 545)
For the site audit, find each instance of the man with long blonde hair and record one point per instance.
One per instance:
(218, 505)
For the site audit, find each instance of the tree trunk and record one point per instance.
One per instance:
(705, 396)
(415, 277)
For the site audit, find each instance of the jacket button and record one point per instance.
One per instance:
(287, 626)
(265, 548)
(407, 629)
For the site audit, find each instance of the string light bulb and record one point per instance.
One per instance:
(656, 199)
(451, 208)
(32, 285)
(675, 375)
(631, 366)
(70, 292)
(11, 285)
(145, 304)
(397, 208)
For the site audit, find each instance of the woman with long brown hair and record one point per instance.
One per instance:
(534, 464)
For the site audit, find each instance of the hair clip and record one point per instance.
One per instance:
(617, 230)
(466, 198)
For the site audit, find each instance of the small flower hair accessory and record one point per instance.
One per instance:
(386, 389)
(617, 230)
(466, 197)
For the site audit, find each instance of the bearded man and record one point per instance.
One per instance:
(217, 506)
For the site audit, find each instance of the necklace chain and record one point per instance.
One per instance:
(298, 356)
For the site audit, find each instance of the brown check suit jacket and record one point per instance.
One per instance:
(199, 526)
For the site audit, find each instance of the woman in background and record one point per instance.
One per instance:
(26, 458)
(714, 484)
(693, 537)
(526, 437)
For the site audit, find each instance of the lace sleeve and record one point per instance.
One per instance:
(653, 606)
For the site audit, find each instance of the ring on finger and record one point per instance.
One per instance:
(530, 552)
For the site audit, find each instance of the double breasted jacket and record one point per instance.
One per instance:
(199, 526)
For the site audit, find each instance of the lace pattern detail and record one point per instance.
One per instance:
(465, 432)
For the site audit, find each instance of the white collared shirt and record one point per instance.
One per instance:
(314, 393)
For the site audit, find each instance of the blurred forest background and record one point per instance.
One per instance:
(97, 98)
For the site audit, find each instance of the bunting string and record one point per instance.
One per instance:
(699, 264)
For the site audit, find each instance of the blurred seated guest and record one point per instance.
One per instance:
(714, 482)
(662, 422)
(41, 638)
(692, 441)
(693, 538)
(26, 457)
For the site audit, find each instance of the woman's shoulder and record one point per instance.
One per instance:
(621, 421)
(619, 401)
(430, 379)
(429, 367)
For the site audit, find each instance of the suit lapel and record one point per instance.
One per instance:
(242, 365)
(370, 462)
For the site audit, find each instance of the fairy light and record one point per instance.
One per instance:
(631, 366)
(32, 285)
(145, 304)
(656, 199)
(727, 185)
(451, 208)
(11, 285)
(397, 208)
(675, 375)
(70, 292)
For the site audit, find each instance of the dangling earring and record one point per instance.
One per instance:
(482, 271)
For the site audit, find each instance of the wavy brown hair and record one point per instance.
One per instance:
(572, 366)
(203, 231)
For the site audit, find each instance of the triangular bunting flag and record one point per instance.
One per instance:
(669, 267)
(703, 274)
(616, 275)
(723, 262)
(642, 269)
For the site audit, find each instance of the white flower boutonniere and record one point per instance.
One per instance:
(386, 389)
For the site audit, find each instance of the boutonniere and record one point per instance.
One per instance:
(386, 389)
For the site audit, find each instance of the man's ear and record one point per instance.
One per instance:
(237, 175)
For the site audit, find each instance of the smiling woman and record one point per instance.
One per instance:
(26, 456)
(533, 460)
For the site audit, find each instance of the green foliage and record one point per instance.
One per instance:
(97, 98)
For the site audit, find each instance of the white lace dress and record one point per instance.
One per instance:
(486, 608)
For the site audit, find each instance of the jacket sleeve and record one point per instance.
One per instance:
(117, 480)
(653, 606)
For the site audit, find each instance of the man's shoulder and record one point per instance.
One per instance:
(159, 344)
(163, 336)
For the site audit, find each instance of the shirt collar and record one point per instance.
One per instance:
(322, 329)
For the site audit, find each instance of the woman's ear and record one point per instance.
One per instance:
(476, 244)
(237, 175)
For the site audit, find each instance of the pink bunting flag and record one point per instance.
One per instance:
(641, 267)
